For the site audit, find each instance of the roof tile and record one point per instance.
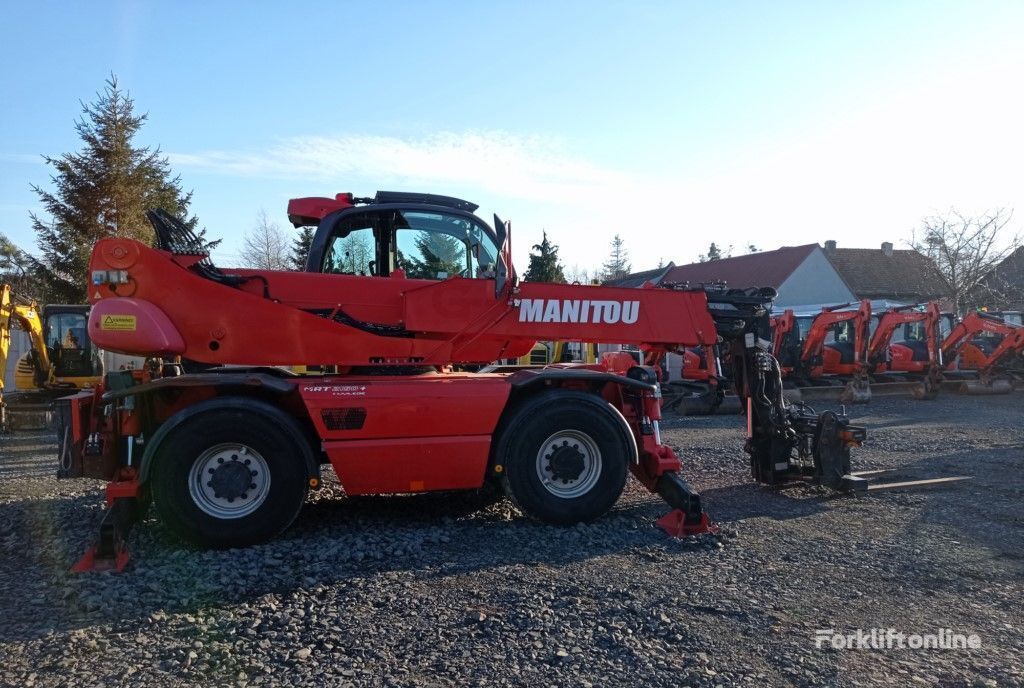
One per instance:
(763, 269)
(903, 275)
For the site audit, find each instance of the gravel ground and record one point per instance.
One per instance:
(436, 591)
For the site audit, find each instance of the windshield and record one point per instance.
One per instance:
(437, 245)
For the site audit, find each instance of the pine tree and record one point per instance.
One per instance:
(300, 247)
(715, 253)
(17, 269)
(617, 266)
(544, 263)
(103, 190)
(436, 254)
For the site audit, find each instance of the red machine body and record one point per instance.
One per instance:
(396, 414)
(700, 364)
(920, 352)
(982, 342)
(786, 341)
(847, 355)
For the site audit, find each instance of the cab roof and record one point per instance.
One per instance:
(303, 212)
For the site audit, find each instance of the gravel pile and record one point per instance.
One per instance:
(455, 591)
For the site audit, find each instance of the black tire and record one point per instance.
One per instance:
(528, 427)
(260, 428)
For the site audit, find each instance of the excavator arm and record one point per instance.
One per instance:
(976, 323)
(26, 315)
(814, 343)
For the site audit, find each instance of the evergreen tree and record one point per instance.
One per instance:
(102, 191)
(617, 266)
(544, 263)
(715, 253)
(438, 253)
(300, 247)
(17, 269)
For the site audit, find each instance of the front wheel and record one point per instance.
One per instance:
(229, 477)
(564, 456)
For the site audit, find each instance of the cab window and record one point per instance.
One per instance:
(437, 245)
(67, 330)
(352, 250)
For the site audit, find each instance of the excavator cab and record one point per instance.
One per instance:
(75, 361)
(840, 345)
(910, 342)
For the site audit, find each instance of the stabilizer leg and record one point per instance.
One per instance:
(111, 549)
(688, 517)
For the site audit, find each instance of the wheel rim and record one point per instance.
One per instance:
(568, 463)
(229, 480)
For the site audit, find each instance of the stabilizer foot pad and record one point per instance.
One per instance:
(674, 523)
(90, 562)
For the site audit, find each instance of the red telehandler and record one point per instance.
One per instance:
(399, 289)
(917, 354)
(987, 344)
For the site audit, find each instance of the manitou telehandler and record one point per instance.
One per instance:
(984, 344)
(400, 288)
(60, 359)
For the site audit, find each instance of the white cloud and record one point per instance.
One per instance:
(498, 163)
(22, 158)
(949, 137)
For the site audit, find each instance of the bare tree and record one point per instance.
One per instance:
(19, 270)
(579, 275)
(265, 247)
(965, 250)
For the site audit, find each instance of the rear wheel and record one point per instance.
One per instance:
(564, 456)
(229, 477)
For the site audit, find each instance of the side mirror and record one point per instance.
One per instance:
(503, 272)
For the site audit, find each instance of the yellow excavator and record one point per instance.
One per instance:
(61, 357)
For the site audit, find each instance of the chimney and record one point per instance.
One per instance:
(830, 246)
(887, 248)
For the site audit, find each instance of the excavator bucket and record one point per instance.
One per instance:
(814, 393)
(979, 387)
(731, 405)
(917, 389)
(856, 392)
(21, 415)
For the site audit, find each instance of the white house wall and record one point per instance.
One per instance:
(815, 281)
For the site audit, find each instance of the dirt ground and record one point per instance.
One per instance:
(436, 591)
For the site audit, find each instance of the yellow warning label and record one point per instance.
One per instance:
(123, 323)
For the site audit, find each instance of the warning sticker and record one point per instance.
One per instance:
(123, 323)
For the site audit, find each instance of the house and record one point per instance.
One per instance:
(1003, 288)
(639, 279)
(803, 275)
(886, 274)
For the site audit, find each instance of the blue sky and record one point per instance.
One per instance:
(674, 124)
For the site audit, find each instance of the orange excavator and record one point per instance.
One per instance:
(841, 356)
(916, 353)
(786, 342)
(987, 344)
(704, 386)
